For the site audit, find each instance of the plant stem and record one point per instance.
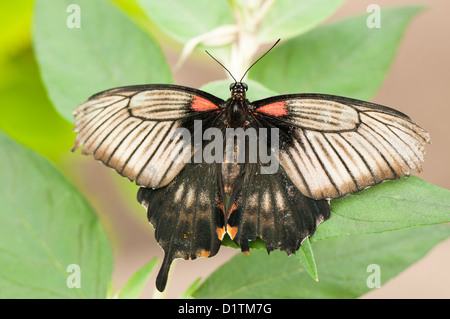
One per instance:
(247, 16)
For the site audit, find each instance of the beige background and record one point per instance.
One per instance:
(417, 84)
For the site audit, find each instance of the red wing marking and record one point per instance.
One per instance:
(200, 104)
(275, 109)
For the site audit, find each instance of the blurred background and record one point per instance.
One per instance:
(417, 84)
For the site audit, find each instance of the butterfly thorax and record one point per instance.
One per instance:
(236, 106)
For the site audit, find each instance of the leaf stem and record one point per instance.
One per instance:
(247, 17)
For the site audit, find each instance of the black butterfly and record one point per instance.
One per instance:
(329, 146)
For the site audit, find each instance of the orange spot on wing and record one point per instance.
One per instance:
(275, 109)
(233, 208)
(220, 232)
(232, 231)
(202, 253)
(200, 104)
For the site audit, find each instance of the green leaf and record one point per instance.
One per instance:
(388, 206)
(134, 11)
(290, 18)
(258, 243)
(108, 50)
(305, 253)
(134, 286)
(47, 228)
(15, 36)
(31, 118)
(191, 289)
(306, 256)
(184, 20)
(342, 263)
(344, 58)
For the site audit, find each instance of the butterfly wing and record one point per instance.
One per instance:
(185, 215)
(270, 207)
(332, 146)
(134, 129)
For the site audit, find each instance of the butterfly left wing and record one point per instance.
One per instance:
(185, 215)
(332, 146)
(134, 129)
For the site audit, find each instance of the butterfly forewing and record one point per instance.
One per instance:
(134, 129)
(338, 145)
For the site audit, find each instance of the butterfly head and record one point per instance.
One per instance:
(238, 90)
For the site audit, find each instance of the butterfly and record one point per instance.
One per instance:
(328, 146)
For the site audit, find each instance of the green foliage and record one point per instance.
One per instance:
(389, 206)
(47, 224)
(29, 117)
(15, 32)
(184, 20)
(306, 256)
(291, 18)
(341, 262)
(108, 50)
(136, 283)
(26, 113)
(343, 58)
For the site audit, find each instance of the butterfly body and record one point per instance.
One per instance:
(236, 108)
(327, 146)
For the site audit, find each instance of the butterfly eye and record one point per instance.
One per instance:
(232, 85)
(245, 86)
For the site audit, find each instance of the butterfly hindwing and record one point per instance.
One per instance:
(134, 129)
(270, 207)
(334, 145)
(186, 215)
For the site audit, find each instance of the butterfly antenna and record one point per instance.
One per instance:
(262, 56)
(222, 66)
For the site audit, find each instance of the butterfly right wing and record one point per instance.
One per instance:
(332, 146)
(270, 207)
